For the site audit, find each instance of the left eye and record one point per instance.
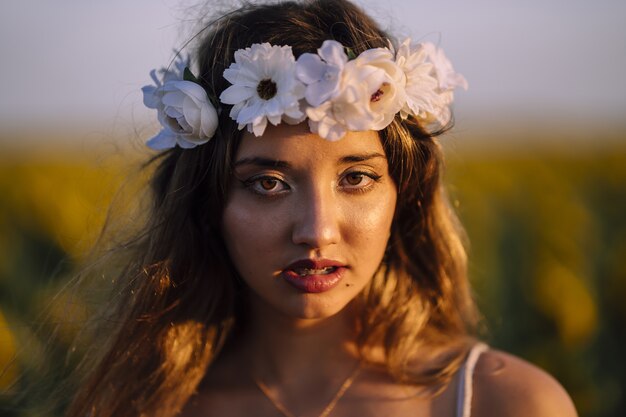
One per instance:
(355, 178)
(359, 181)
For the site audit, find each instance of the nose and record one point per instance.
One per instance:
(317, 220)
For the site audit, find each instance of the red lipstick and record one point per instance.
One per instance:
(314, 275)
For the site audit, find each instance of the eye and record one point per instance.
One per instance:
(359, 181)
(266, 185)
(354, 178)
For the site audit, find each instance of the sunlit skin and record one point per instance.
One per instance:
(297, 196)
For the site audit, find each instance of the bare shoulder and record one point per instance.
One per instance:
(505, 385)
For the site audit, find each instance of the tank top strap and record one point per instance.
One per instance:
(465, 381)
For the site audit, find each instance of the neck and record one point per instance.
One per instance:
(281, 349)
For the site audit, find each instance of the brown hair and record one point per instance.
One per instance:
(182, 298)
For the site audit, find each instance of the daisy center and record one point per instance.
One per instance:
(266, 89)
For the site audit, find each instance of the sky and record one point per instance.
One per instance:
(81, 63)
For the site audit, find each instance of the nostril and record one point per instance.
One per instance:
(316, 231)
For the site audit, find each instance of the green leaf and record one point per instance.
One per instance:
(350, 53)
(188, 76)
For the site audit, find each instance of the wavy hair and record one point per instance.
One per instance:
(182, 300)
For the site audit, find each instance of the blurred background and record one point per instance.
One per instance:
(536, 166)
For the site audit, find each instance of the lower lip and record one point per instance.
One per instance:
(314, 283)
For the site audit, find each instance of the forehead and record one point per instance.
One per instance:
(297, 143)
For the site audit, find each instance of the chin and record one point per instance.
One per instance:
(314, 311)
(309, 306)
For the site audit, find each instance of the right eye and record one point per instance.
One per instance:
(266, 185)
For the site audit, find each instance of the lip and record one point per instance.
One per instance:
(315, 283)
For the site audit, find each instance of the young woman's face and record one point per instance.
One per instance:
(307, 221)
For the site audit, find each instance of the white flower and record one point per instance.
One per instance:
(421, 86)
(370, 93)
(430, 81)
(322, 72)
(184, 111)
(385, 83)
(447, 80)
(264, 87)
(344, 112)
(445, 74)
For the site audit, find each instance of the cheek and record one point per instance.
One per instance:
(250, 233)
(375, 218)
(368, 226)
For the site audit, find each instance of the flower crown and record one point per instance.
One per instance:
(336, 90)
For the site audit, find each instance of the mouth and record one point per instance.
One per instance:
(303, 272)
(314, 276)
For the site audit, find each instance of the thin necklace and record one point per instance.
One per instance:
(327, 410)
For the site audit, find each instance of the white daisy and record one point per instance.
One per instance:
(264, 87)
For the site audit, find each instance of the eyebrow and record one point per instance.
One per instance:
(276, 163)
(360, 158)
(263, 162)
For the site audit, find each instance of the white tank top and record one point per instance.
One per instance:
(466, 372)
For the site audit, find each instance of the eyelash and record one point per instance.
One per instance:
(253, 184)
(360, 189)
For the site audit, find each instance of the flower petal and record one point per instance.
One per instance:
(235, 94)
(321, 91)
(250, 112)
(192, 90)
(191, 113)
(273, 107)
(185, 144)
(173, 112)
(231, 73)
(165, 139)
(234, 112)
(174, 98)
(150, 99)
(259, 128)
(333, 52)
(209, 121)
(310, 68)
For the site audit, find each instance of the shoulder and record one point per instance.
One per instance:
(505, 385)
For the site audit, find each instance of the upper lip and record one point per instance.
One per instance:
(314, 264)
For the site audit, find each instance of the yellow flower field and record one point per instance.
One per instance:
(547, 256)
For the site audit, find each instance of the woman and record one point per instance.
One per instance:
(300, 257)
